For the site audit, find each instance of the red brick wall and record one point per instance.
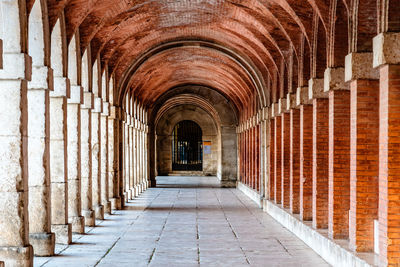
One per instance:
(389, 165)
(306, 161)
(278, 161)
(320, 162)
(339, 163)
(295, 160)
(271, 159)
(285, 160)
(364, 167)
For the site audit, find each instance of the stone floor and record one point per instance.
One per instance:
(186, 221)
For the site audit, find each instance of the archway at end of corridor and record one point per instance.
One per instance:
(215, 152)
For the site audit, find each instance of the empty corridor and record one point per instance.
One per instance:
(186, 221)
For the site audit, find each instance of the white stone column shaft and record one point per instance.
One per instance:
(58, 165)
(74, 161)
(86, 161)
(104, 163)
(40, 236)
(96, 178)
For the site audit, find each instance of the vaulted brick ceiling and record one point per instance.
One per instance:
(258, 34)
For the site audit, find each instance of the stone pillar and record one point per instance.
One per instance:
(295, 160)
(74, 161)
(96, 161)
(86, 159)
(40, 235)
(271, 186)
(387, 58)
(113, 160)
(131, 162)
(278, 160)
(105, 183)
(320, 153)
(339, 153)
(285, 160)
(364, 150)
(14, 230)
(136, 158)
(59, 161)
(126, 158)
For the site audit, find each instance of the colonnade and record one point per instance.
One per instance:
(61, 135)
(333, 150)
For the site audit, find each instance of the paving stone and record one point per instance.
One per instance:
(188, 226)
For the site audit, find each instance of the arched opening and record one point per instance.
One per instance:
(187, 147)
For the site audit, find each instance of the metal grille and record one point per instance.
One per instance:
(187, 149)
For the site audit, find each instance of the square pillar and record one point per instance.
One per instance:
(96, 161)
(75, 217)
(59, 161)
(271, 185)
(339, 152)
(285, 165)
(105, 183)
(278, 160)
(320, 153)
(86, 160)
(295, 161)
(113, 158)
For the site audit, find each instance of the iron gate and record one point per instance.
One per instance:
(187, 149)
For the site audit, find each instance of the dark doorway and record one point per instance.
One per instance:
(187, 149)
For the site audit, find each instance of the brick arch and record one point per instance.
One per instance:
(247, 80)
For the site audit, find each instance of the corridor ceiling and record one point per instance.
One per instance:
(234, 46)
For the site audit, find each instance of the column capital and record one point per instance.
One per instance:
(88, 100)
(386, 48)
(76, 95)
(16, 66)
(105, 109)
(62, 87)
(42, 78)
(114, 112)
(290, 101)
(98, 106)
(302, 96)
(282, 105)
(316, 89)
(334, 79)
(359, 66)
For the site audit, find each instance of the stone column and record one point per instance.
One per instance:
(86, 159)
(126, 157)
(14, 230)
(131, 163)
(339, 153)
(104, 159)
(135, 159)
(364, 150)
(320, 153)
(96, 163)
(387, 58)
(40, 235)
(74, 160)
(59, 161)
(113, 162)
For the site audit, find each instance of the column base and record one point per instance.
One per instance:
(131, 194)
(228, 184)
(137, 191)
(63, 233)
(125, 197)
(17, 256)
(107, 207)
(78, 224)
(115, 203)
(43, 244)
(99, 212)
(89, 218)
